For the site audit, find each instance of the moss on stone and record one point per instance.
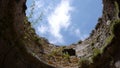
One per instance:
(83, 62)
(96, 51)
(117, 9)
(113, 31)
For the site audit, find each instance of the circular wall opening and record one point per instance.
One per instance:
(64, 22)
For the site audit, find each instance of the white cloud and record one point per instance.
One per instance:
(56, 19)
(39, 4)
(59, 20)
(43, 29)
(84, 36)
(77, 32)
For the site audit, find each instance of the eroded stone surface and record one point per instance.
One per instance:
(20, 47)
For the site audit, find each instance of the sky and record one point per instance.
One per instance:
(64, 22)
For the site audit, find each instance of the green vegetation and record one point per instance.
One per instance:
(58, 55)
(115, 26)
(33, 54)
(83, 62)
(96, 51)
(25, 20)
(56, 52)
(32, 9)
(31, 14)
(66, 56)
(117, 9)
(108, 40)
(114, 30)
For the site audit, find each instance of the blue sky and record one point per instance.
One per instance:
(64, 22)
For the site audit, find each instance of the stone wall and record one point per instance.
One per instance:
(13, 52)
(17, 52)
